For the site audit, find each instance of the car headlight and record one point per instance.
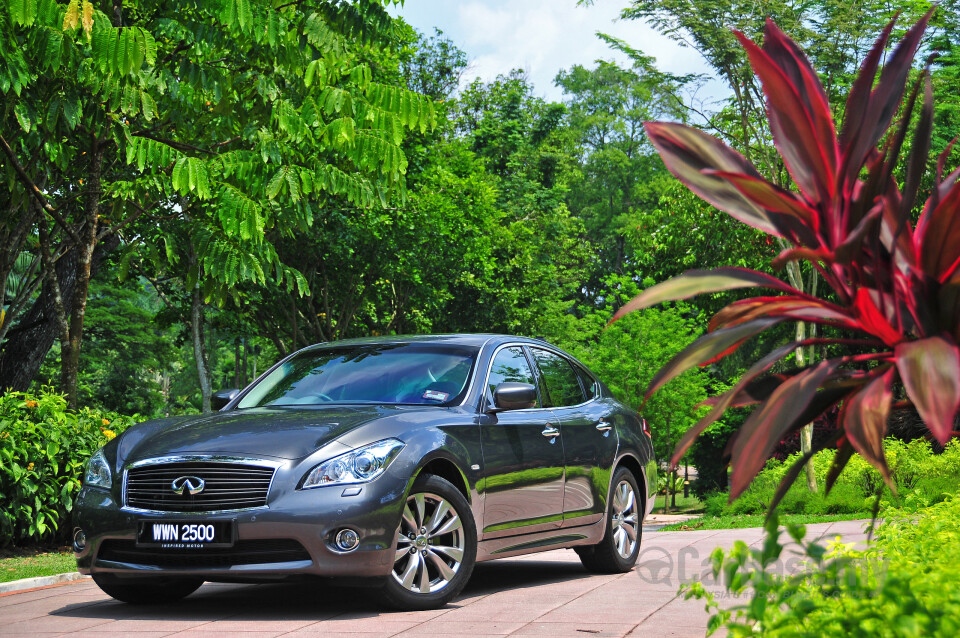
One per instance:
(359, 466)
(98, 471)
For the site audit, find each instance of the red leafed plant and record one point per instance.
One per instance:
(896, 285)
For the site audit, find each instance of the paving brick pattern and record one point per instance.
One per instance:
(547, 594)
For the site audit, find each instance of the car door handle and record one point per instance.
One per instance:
(604, 427)
(551, 433)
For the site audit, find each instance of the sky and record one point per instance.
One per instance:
(544, 36)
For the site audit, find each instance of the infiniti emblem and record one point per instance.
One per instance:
(189, 484)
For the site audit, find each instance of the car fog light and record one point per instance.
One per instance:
(79, 540)
(347, 540)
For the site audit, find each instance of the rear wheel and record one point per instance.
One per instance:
(144, 591)
(618, 550)
(435, 549)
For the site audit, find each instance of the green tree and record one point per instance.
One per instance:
(617, 175)
(232, 118)
(540, 255)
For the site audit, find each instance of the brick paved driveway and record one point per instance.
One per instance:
(547, 595)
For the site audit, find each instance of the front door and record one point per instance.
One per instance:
(523, 458)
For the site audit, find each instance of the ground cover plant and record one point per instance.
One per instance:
(44, 448)
(921, 476)
(897, 586)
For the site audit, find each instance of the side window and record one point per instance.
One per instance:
(589, 385)
(559, 378)
(510, 364)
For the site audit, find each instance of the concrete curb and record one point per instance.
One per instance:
(40, 581)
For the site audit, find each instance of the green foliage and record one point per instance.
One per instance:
(43, 451)
(218, 128)
(901, 585)
(709, 454)
(922, 478)
(627, 354)
(744, 521)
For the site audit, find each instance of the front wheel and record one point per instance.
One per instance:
(435, 549)
(618, 551)
(143, 591)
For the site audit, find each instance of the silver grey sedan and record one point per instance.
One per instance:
(394, 463)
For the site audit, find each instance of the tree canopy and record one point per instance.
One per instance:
(195, 189)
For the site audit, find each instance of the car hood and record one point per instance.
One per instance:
(273, 432)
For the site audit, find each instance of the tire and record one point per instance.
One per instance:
(420, 564)
(617, 552)
(143, 591)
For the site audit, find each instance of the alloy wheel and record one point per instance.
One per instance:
(625, 517)
(430, 544)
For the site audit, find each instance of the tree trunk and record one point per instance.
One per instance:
(70, 349)
(806, 434)
(243, 366)
(673, 489)
(200, 346)
(28, 342)
(236, 363)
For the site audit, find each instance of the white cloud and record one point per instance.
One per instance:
(544, 36)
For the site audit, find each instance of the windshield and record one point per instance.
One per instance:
(426, 374)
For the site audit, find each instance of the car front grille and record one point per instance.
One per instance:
(244, 552)
(227, 486)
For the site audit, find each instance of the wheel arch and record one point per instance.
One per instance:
(445, 468)
(633, 464)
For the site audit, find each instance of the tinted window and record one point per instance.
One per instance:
(559, 378)
(589, 385)
(510, 364)
(378, 373)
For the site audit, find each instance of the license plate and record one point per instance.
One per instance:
(185, 534)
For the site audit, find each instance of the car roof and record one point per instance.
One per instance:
(469, 339)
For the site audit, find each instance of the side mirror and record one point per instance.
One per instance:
(514, 396)
(222, 398)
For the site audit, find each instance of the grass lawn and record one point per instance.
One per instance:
(688, 505)
(18, 564)
(756, 520)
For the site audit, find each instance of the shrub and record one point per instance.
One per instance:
(901, 585)
(710, 456)
(921, 476)
(43, 450)
(714, 505)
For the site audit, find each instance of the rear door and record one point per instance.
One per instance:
(523, 457)
(589, 438)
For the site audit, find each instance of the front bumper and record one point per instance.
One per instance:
(308, 517)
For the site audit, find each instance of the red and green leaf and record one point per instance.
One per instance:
(871, 117)
(724, 400)
(864, 417)
(773, 420)
(930, 369)
(690, 154)
(802, 129)
(788, 307)
(698, 282)
(839, 462)
(708, 347)
(872, 320)
(799, 221)
(858, 101)
(938, 233)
